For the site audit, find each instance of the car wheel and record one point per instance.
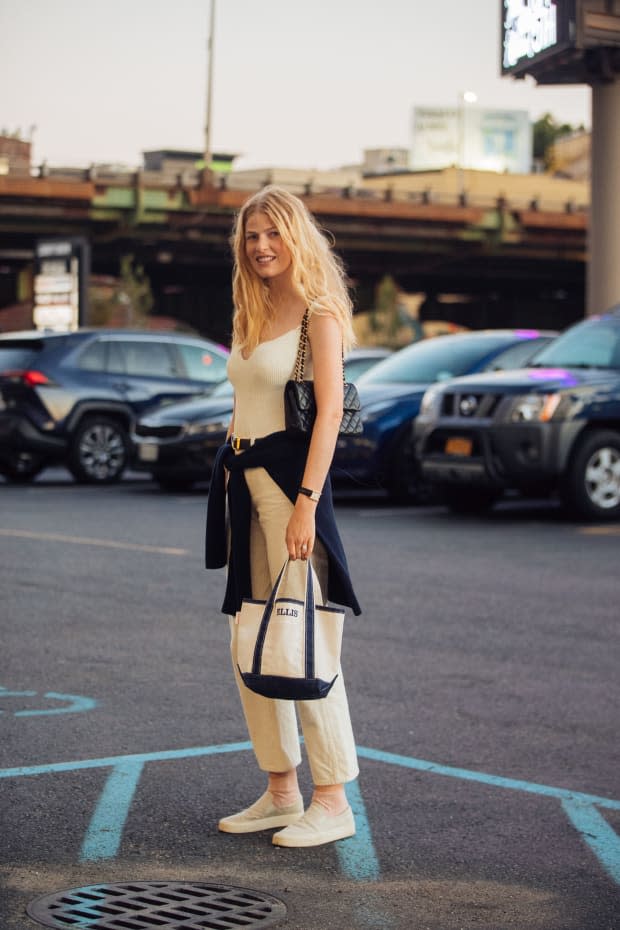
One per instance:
(21, 468)
(98, 453)
(592, 484)
(469, 500)
(174, 484)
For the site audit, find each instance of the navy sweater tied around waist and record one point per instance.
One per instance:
(283, 456)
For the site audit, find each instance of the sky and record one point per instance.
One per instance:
(296, 83)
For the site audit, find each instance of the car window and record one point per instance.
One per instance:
(354, 368)
(116, 357)
(92, 358)
(436, 359)
(516, 356)
(15, 356)
(588, 344)
(147, 359)
(202, 364)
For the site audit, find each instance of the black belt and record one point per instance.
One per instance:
(241, 445)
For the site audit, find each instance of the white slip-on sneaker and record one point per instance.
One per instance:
(317, 826)
(262, 815)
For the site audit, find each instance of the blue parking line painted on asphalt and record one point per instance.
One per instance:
(358, 859)
(110, 761)
(579, 807)
(77, 704)
(103, 837)
(357, 855)
(596, 832)
(498, 781)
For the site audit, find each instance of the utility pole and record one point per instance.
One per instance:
(208, 154)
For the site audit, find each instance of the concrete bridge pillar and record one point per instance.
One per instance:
(604, 241)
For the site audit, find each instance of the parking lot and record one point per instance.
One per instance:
(483, 681)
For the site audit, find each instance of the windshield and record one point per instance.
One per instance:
(591, 344)
(437, 359)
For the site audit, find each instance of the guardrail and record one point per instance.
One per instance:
(194, 182)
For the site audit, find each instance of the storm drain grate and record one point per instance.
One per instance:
(151, 905)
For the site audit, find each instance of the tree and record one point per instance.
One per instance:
(546, 132)
(126, 302)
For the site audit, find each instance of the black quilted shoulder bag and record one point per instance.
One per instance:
(299, 402)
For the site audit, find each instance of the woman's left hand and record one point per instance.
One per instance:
(300, 532)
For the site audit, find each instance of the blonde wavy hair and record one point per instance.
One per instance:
(317, 272)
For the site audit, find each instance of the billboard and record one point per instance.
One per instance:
(471, 137)
(533, 31)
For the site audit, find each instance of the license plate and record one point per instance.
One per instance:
(458, 445)
(148, 452)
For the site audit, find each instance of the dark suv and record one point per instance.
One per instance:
(71, 398)
(554, 426)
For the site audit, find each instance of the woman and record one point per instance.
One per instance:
(279, 497)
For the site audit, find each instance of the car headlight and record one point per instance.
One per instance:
(431, 401)
(539, 408)
(204, 428)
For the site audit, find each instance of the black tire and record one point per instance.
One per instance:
(591, 486)
(174, 485)
(469, 500)
(21, 467)
(99, 450)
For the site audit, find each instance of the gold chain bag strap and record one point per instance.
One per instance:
(299, 402)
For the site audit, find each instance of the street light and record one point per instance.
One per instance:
(208, 155)
(465, 96)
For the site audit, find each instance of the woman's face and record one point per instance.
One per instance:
(266, 253)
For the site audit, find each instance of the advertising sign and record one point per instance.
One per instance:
(472, 137)
(60, 283)
(534, 30)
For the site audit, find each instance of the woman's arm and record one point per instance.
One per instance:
(325, 337)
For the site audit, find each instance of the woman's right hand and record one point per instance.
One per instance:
(300, 531)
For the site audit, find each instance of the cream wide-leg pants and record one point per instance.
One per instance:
(272, 724)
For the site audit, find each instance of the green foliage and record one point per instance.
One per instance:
(545, 132)
(387, 305)
(387, 323)
(126, 302)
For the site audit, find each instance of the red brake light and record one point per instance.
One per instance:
(30, 377)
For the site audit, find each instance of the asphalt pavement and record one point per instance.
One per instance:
(484, 690)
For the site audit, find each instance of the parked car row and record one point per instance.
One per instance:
(178, 444)
(460, 418)
(551, 427)
(71, 398)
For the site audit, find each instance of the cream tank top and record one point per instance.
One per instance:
(259, 384)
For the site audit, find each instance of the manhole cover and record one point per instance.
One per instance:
(150, 905)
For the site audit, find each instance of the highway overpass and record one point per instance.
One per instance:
(509, 261)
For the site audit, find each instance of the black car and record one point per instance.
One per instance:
(71, 398)
(552, 427)
(177, 444)
(391, 393)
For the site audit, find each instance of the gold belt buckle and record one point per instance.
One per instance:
(236, 443)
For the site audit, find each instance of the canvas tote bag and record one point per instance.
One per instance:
(289, 648)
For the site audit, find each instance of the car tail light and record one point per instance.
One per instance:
(31, 377)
